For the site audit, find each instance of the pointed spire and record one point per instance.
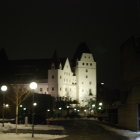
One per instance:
(60, 66)
(53, 66)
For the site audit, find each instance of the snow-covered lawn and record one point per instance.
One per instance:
(27, 136)
(12, 136)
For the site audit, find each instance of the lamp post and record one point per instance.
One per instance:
(3, 89)
(33, 86)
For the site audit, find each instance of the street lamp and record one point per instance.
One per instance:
(33, 86)
(3, 89)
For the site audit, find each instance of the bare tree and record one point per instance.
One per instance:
(18, 94)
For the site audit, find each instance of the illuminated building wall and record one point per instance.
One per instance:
(81, 86)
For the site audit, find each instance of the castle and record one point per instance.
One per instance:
(77, 82)
(75, 79)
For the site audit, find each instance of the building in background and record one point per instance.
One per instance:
(129, 111)
(60, 77)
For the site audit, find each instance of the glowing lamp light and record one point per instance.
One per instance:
(24, 109)
(102, 83)
(7, 105)
(78, 110)
(60, 108)
(75, 109)
(100, 104)
(34, 104)
(99, 108)
(93, 105)
(68, 106)
(85, 110)
(21, 106)
(33, 85)
(48, 110)
(4, 88)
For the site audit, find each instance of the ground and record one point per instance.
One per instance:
(67, 130)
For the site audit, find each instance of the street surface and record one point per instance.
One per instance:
(86, 130)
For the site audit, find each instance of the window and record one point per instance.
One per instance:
(90, 64)
(47, 89)
(52, 76)
(87, 64)
(90, 92)
(60, 77)
(60, 89)
(85, 57)
(52, 88)
(83, 64)
(41, 89)
(90, 82)
(86, 76)
(89, 57)
(86, 70)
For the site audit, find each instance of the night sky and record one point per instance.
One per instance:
(34, 29)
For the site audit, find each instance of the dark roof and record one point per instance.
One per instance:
(82, 48)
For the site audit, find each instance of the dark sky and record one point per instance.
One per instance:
(34, 29)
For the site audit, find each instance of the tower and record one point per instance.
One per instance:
(85, 75)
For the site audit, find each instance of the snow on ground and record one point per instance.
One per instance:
(12, 136)
(37, 127)
(27, 136)
(131, 135)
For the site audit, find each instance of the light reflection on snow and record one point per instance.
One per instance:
(138, 138)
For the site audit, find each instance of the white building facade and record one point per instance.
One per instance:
(79, 84)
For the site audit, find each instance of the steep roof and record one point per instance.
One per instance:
(82, 48)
